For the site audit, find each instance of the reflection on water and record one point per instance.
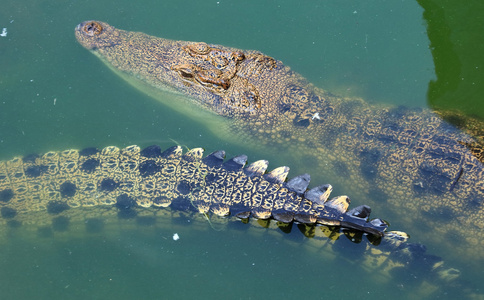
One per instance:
(457, 55)
(126, 261)
(457, 92)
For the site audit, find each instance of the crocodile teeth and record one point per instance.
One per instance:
(339, 203)
(278, 175)
(194, 154)
(361, 212)
(214, 159)
(319, 194)
(299, 184)
(257, 168)
(235, 163)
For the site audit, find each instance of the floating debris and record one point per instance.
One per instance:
(4, 32)
(176, 237)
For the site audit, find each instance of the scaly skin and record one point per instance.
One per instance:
(129, 178)
(73, 193)
(409, 160)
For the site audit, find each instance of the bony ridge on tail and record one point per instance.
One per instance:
(72, 185)
(131, 177)
(427, 172)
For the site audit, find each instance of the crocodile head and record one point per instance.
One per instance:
(152, 65)
(224, 80)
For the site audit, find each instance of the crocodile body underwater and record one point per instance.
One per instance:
(78, 193)
(422, 169)
(131, 177)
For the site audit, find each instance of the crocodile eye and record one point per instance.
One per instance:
(92, 28)
(200, 48)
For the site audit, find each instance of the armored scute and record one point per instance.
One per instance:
(129, 178)
(426, 171)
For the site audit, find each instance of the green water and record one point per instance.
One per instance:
(56, 95)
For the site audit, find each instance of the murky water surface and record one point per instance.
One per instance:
(55, 95)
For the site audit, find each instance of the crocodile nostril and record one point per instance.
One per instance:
(92, 28)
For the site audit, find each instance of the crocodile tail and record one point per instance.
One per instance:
(57, 187)
(132, 178)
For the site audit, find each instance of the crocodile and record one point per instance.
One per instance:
(131, 177)
(425, 171)
(57, 192)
